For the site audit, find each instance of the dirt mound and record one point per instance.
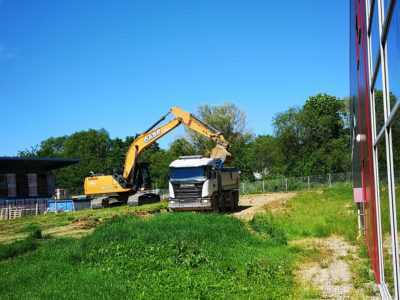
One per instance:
(249, 205)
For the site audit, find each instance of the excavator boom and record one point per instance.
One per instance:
(181, 117)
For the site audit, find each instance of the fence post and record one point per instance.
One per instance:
(330, 181)
(308, 181)
(37, 207)
(263, 186)
(286, 183)
(9, 211)
(243, 187)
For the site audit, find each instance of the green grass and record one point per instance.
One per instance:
(185, 255)
(65, 218)
(176, 255)
(313, 215)
(30, 243)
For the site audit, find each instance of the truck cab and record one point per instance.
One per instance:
(199, 183)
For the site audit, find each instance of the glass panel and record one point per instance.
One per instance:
(385, 217)
(378, 96)
(187, 173)
(396, 162)
(375, 34)
(393, 53)
(386, 5)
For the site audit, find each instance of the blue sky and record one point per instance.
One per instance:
(72, 65)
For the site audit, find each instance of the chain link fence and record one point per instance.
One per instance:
(284, 184)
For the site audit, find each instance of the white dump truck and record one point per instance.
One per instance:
(200, 183)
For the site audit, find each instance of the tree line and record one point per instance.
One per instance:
(307, 140)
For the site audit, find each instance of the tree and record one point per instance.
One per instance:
(92, 146)
(181, 147)
(51, 147)
(263, 156)
(228, 119)
(314, 139)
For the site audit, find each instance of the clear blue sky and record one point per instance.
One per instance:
(72, 65)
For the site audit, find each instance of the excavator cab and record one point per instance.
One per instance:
(141, 177)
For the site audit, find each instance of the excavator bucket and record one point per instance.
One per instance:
(220, 151)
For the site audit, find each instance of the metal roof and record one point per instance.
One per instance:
(25, 165)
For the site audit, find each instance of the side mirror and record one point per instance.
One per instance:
(213, 173)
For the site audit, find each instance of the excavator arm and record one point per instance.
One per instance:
(181, 117)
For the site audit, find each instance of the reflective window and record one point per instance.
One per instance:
(385, 5)
(378, 96)
(393, 53)
(375, 34)
(385, 217)
(187, 173)
(396, 161)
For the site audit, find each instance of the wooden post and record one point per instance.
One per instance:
(9, 211)
(37, 207)
(263, 187)
(243, 187)
(286, 183)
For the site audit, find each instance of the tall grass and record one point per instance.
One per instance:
(320, 214)
(185, 255)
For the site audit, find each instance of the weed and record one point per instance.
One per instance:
(339, 282)
(265, 224)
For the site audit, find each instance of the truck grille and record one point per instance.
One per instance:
(187, 190)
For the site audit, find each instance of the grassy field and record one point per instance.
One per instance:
(174, 255)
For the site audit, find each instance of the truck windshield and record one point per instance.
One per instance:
(187, 173)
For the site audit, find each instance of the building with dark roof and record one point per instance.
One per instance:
(22, 177)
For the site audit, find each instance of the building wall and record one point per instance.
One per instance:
(375, 110)
(27, 185)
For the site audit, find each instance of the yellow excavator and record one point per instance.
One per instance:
(133, 187)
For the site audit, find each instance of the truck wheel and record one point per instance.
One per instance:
(232, 203)
(235, 200)
(223, 203)
(215, 203)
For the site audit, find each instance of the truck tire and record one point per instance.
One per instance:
(223, 203)
(235, 200)
(232, 202)
(215, 203)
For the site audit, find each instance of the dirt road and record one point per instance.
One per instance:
(256, 203)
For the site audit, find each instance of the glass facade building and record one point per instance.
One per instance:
(375, 135)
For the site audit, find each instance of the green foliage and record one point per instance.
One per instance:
(182, 255)
(264, 156)
(231, 121)
(314, 139)
(228, 119)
